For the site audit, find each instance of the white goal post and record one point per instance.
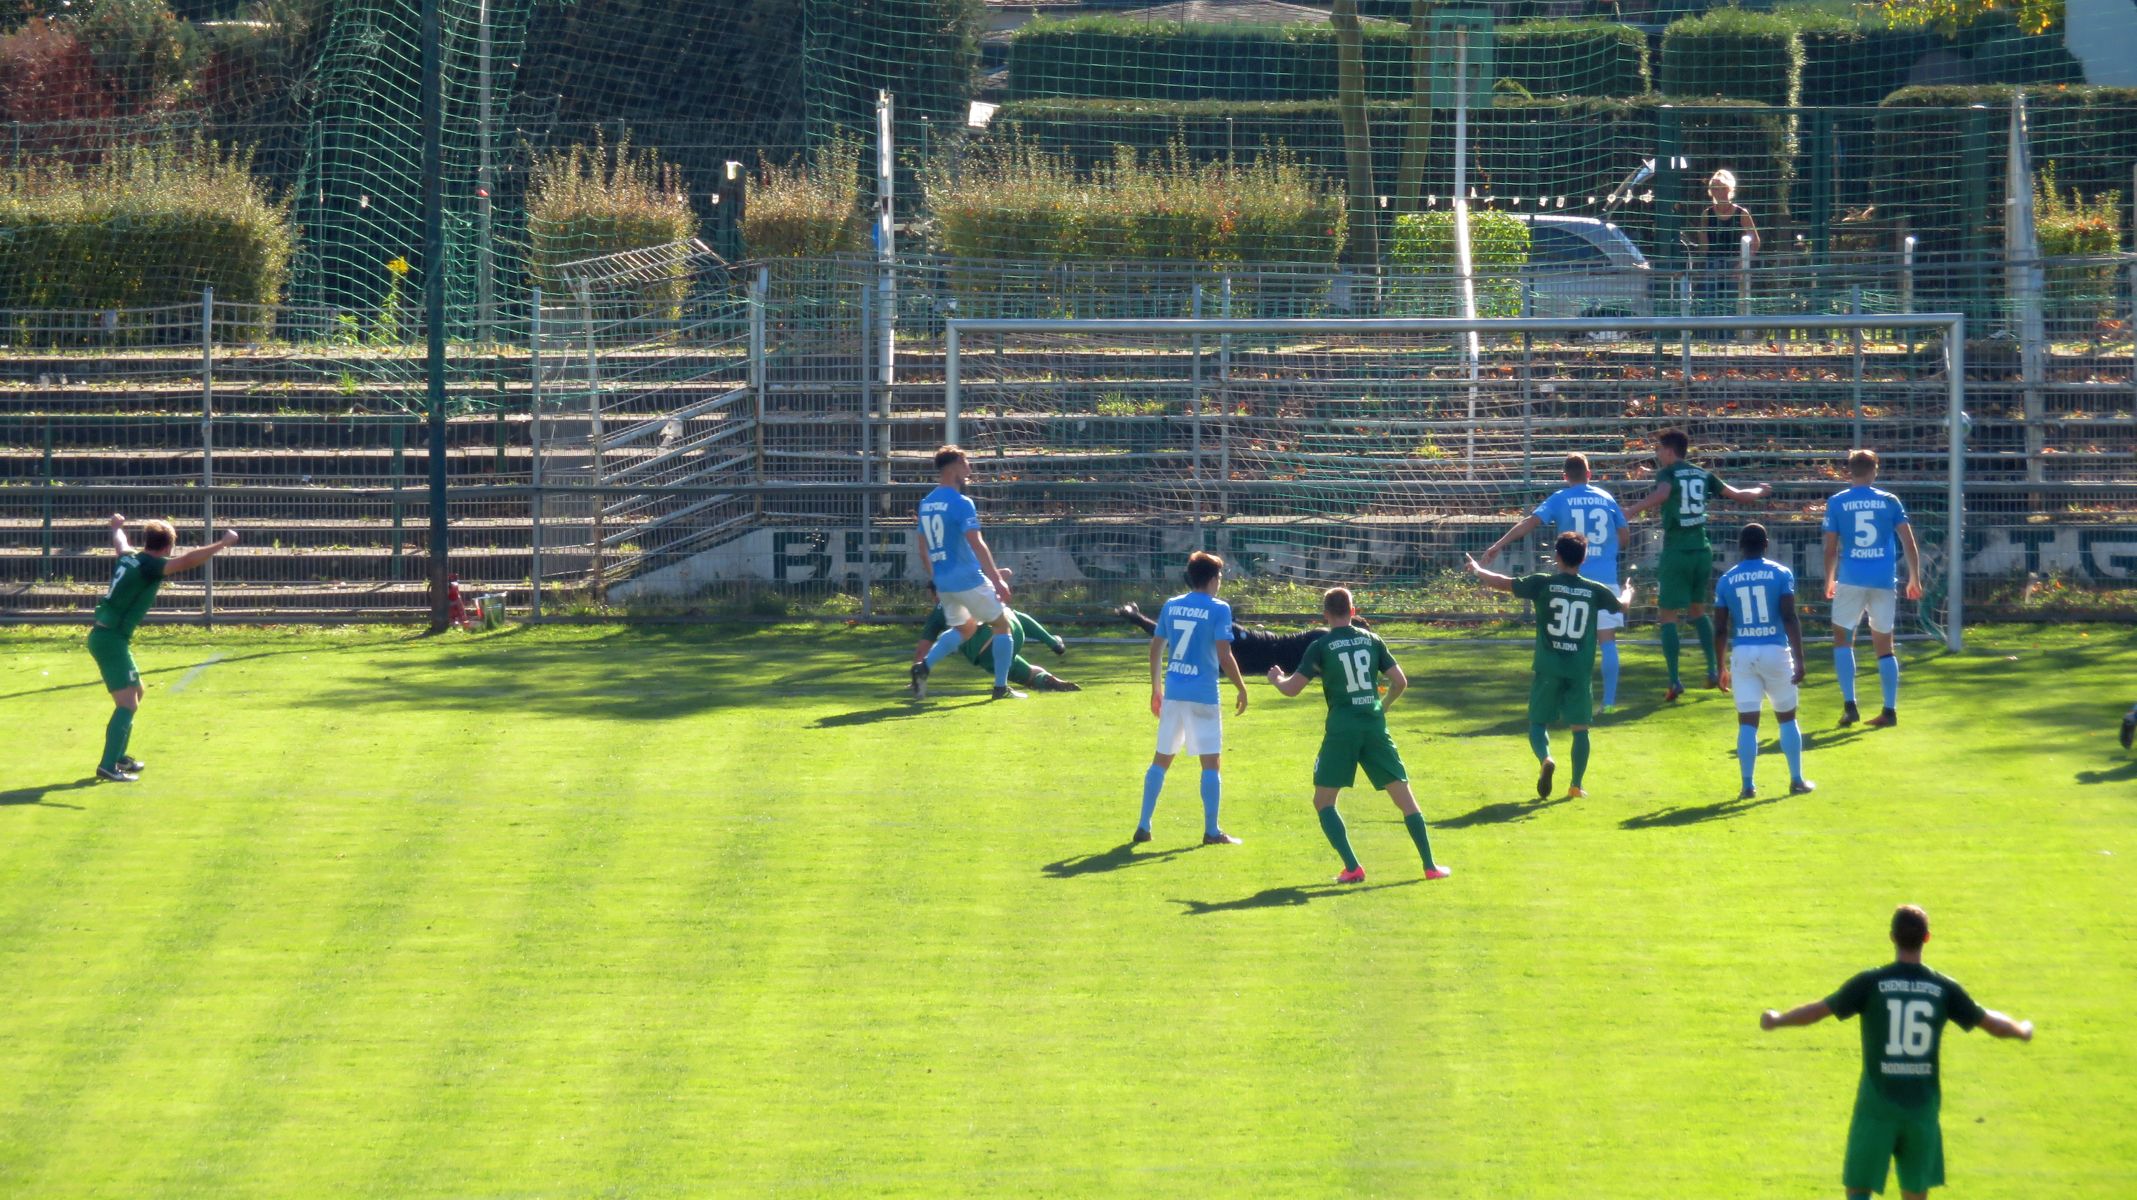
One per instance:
(981, 394)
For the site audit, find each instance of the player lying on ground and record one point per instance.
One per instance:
(133, 589)
(1193, 643)
(1023, 629)
(1256, 649)
(1349, 661)
(968, 585)
(1904, 1007)
(1758, 598)
(1566, 605)
(1682, 493)
(1863, 581)
(1583, 508)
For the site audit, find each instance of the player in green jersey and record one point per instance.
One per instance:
(1566, 607)
(1904, 1007)
(1023, 628)
(1682, 493)
(1349, 661)
(133, 588)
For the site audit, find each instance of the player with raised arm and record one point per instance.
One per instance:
(1863, 579)
(1583, 508)
(1193, 643)
(140, 574)
(1024, 630)
(1567, 605)
(1349, 662)
(1904, 1007)
(1682, 493)
(1758, 596)
(968, 583)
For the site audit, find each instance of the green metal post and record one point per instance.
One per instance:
(44, 566)
(400, 452)
(1821, 156)
(434, 299)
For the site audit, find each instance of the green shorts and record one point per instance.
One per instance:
(1554, 698)
(1686, 577)
(1881, 1132)
(1345, 748)
(114, 657)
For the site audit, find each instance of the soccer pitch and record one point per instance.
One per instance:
(683, 912)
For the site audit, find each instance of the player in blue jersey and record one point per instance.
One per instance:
(968, 583)
(1193, 642)
(1583, 508)
(1757, 598)
(1861, 577)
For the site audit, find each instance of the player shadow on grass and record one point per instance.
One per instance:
(1285, 897)
(90, 681)
(36, 795)
(905, 710)
(1118, 858)
(1518, 723)
(2127, 770)
(1501, 813)
(1722, 810)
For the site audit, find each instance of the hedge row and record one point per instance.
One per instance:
(147, 228)
(1734, 53)
(1931, 144)
(1126, 59)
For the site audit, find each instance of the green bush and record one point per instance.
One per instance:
(1735, 54)
(1019, 203)
(1574, 58)
(1122, 58)
(147, 227)
(587, 201)
(2071, 226)
(1853, 61)
(1940, 159)
(807, 210)
(1498, 248)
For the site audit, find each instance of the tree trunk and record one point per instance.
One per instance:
(1417, 140)
(1357, 139)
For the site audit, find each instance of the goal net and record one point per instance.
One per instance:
(1317, 452)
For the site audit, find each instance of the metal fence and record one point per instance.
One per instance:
(755, 448)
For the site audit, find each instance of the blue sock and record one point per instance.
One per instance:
(1005, 652)
(944, 645)
(1610, 673)
(1792, 748)
(1153, 783)
(1888, 678)
(1844, 670)
(1212, 787)
(1747, 750)
(1539, 741)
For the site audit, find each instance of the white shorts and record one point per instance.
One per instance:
(977, 604)
(1197, 728)
(1762, 673)
(1851, 601)
(1609, 620)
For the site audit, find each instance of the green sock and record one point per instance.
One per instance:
(116, 731)
(1703, 625)
(1670, 647)
(1580, 755)
(1539, 741)
(1415, 823)
(1339, 837)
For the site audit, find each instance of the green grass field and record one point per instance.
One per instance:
(663, 912)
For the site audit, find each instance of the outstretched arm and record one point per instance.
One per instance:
(1289, 685)
(201, 554)
(1521, 529)
(1490, 579)
(1757, 491)
(1650, 502)
(1999, 1025)
(1802, 1014)
(118, 535)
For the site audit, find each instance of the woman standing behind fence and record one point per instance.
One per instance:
(1717, 239)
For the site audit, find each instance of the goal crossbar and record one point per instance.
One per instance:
(1950, 326)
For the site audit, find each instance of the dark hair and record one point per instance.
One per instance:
(947, 455)
(1202, 566)
(1336, 602)
(1753, 539)
(1572, 548)
(1679, 442)
(1910, 927)
(1576, 466)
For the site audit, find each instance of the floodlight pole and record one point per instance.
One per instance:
(1464, 261)
(433, 117)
